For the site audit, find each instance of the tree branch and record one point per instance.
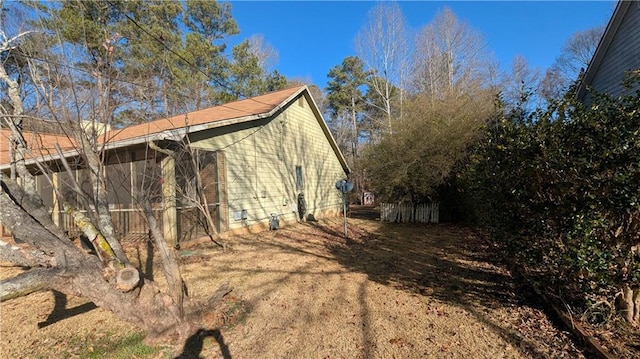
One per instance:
(155, 147)
(27, 283)
(25, 257)
(32, 204)
(168, 257)
(6, 43)
(27, 228)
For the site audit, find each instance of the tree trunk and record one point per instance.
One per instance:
(25, 257)
(32, 203)
(80, 274)
(628, 304)
(18, 143)
(169, 260)
(354, 120)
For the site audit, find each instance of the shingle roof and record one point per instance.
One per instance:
(38, 144)
(239, 109)
(42, 144)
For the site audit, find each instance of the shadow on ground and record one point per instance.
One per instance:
(194, 344)
(445, 262)
(61, 312)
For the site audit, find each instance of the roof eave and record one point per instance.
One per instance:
(173, 135)
(328, 134)
(222, 123)
(603, 46)
(178, 134)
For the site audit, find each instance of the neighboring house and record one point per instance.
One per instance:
(256, 157)
(617, 53)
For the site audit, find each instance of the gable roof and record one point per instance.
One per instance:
(238, 111)
(177, 127)
(603, 46)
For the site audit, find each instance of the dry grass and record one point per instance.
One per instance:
(391, 291)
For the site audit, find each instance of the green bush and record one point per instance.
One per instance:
(559, 188)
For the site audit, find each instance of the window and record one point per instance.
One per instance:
(299, 179)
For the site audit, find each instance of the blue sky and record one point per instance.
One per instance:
(313, 36)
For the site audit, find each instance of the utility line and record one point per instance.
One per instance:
(182, 58)
(50, 62)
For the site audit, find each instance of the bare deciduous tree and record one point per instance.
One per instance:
(79, 102)
(574, 57)
(450, 57)
(578, 51)
(520, 84)
(382, 46)
(267, 54)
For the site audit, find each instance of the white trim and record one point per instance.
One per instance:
(177, 134)
(603, 46)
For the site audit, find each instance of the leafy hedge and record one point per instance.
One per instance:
(560, 190)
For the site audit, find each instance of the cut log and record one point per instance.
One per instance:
(127, 279)
(100, 244)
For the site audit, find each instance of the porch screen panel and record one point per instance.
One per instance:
(119, 185)
(191, 221)
(209, 175)
(45, 190)
(65, 187)
(148, 175)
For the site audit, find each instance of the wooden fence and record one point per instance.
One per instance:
(410, 213)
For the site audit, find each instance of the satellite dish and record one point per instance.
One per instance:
(348, 186)
(344, 186)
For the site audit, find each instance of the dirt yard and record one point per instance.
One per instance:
(390, 291)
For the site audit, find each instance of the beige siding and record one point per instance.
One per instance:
(261, 160)
(622, 55)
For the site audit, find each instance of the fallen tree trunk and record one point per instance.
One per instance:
(77, 273)
(126, 276)
(32, 204)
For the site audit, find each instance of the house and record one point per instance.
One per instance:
(617, 53)
(268, 155)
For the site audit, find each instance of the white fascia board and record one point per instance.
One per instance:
(327, 133)
(172, 135)
(237, 120)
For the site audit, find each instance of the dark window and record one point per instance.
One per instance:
(299, 179)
